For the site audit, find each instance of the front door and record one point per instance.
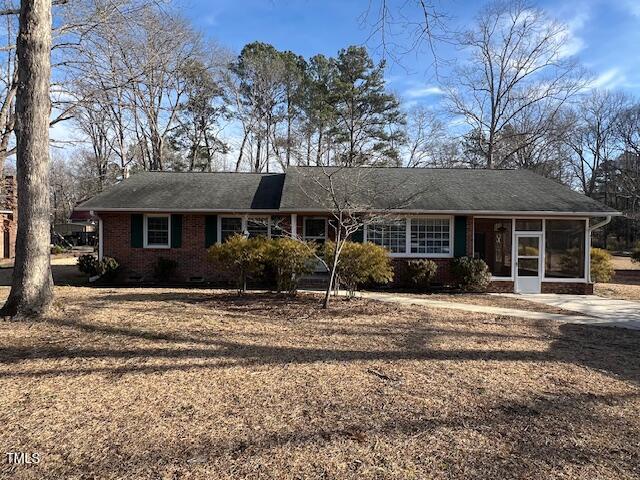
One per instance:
(528, 263)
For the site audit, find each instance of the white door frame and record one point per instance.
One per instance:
(527, 284)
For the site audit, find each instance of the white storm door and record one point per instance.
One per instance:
(528, 263)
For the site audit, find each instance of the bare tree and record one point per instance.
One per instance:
(593, 139)
(352, 196)
(517, 62)
(32, 285)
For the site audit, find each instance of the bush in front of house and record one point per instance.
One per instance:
(420, 273)
(106, 268)
(601, 266)
(89, 265)
(57, 250)
(360, 264)
(165, 269)
(289, 260)
(243, 257)
(470, 274)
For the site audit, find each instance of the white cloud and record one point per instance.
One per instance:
(608, 79)
(573, 42)
(419, 92)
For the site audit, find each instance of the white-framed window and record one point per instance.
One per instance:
(431, 236)
(391, 234)
(157, 231)
(414, 236)
(314, 229)
(260, 226)
(230, 226)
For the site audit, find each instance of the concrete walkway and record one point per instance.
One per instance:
(409, 299)
(602, 311)
(596, 310)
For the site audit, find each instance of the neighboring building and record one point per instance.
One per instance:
(79, 233)
(533, 232)
(8, 217)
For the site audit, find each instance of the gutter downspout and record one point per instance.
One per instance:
(591, 229)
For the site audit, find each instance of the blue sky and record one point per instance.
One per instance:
(605, 35)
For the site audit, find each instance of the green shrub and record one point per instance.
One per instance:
(57, 250)
(601, 266)
(89, 265)
(289, 259)
(635, 255)
(420, 273)
(243, 257)
(470, 274)
(164, 269)
(359, 264)
(109, 268)
(106, 268)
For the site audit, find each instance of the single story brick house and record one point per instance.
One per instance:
(534, 233)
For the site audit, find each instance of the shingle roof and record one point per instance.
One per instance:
(304, 189)
(177, 191)
(435, 190)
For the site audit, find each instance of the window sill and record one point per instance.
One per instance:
(421, 255)
(156, 247)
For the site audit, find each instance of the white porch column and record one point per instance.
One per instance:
(294, 225)
(100, 240)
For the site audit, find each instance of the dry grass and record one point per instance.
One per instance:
(618, 290)
(624, 263)
(499, 301)
(171, 383)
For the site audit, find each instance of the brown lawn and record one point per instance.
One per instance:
(177, 383)
(617, 290)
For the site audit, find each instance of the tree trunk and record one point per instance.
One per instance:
(239, 161)
(32, 285)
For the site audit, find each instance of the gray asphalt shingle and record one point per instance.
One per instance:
(304, 189)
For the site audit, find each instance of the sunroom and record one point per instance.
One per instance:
(532, 251)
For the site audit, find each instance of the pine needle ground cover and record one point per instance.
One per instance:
(198, 384)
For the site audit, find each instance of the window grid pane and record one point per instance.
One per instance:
(258, 227)
(158, 231)
(391, 235)
(229, 227)
(430, 236)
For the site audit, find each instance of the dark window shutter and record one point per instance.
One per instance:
(210, 230)
(358, 235)
(137, 225)
(176, 231)
(460, 237)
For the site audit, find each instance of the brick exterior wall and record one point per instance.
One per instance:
(568, 287)
(140, 262)
(9, 222)
(192, 260)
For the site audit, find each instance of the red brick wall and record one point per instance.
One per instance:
(566, 287)
(9, 222)
(191, 256)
